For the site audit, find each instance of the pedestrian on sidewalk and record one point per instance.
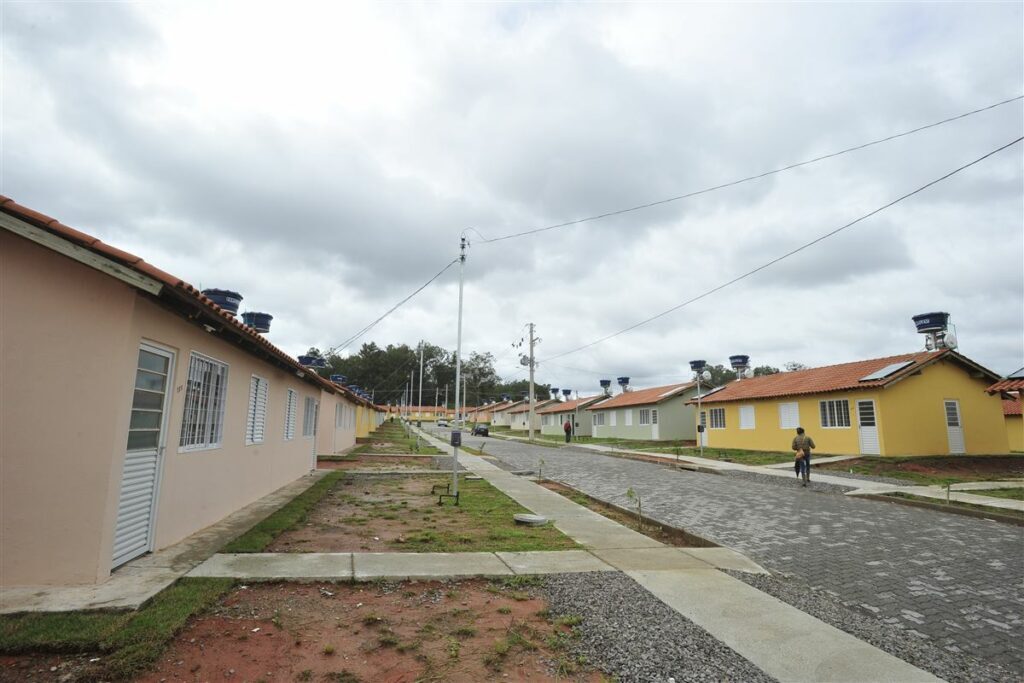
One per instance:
(802, 445)
(568, 429)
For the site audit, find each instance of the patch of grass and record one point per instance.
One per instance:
(373, 620)
(343, 676)
(569, 620)
(387, 639)
(504, 610)
(482, 522)
(305, 675)
(464, 632)
(131, 641)
(1012, 494)
(263, 534)
(936, 469)
(1019, 514)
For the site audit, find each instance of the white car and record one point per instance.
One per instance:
(442, 423)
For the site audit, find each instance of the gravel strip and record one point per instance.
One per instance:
(632, 635)
(955, 667)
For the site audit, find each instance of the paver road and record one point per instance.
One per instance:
(955, 579)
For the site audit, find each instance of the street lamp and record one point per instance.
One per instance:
(698, 370)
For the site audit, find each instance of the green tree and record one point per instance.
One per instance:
(762, 370)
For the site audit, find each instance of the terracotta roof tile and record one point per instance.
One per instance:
(525, 407)
(1011, 407)
(641, 397)
(182, 288)
(567, 406)
(842, 377)
(1012, 382)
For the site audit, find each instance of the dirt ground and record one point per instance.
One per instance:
(371, 462)
(962, 467)
(386, 633)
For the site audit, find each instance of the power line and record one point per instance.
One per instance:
(748, 179)
(345, 344)
(786, 255)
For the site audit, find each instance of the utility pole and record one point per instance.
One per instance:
(530, 417)
(421, 384)
(458, 372)
(465, 397)
(446, 400)
(412, 388)
(437, 390)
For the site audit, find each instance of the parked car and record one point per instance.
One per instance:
(481, 430)
(442, 423)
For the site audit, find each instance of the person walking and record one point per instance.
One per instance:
(802, 445)
(568, 430)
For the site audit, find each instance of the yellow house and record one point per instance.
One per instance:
(1013, 384)
(926, 403)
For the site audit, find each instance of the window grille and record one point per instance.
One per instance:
(717, 416)
(202, 422)
(645, 416)
(835, 413)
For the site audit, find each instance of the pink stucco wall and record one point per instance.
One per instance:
(69, 339)
(332, 438)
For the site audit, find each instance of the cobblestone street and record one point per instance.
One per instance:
(954, 579)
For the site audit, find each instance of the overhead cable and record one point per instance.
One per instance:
(784, 256)
(748, 179)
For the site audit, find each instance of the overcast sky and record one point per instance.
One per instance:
(323, 159)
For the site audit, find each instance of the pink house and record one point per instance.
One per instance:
(135, 411)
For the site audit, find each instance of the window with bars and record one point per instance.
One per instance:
(654, 416)
(291, 408)
(717, 417)
(835, 414)
(309, 417)
(645, 416)
(599, 419)
(202, 422)
(746, 417)
(256, 419)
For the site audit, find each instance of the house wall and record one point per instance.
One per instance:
(199, 488)
(1015, 432)
(676, 421)
(67, 367)
(582, 418)
(769, 435)
(332, 437)
(70, 337)
(915, 420)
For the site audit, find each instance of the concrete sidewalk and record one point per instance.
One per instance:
(784, 642)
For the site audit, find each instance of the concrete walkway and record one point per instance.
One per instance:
(784, 642)
(139, 580)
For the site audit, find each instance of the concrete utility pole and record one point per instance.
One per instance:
(412, 388)
(530, 416)
(446, 400)
(465, 396)
(437, 390)
(421, 382)
(456, 441)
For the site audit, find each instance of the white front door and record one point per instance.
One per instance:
(140, 474)
(954, 429)
(704, 424)
(868, 428)
(654, 423)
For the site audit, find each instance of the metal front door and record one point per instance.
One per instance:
(868, 428)
(704, 424)
(954, 428)
(140, 475)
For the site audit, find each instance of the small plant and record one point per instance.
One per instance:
(635, 498)
(504, 610)
(481, 449)
(453, 648)
(387, 639)
(372, 619)
(305, 675)
(343, 676)
(569, 620)
(464, 632)
(540, 468)
(329, 650)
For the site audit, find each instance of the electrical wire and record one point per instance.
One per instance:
(748, 179)
(348, 342)
(784, 256)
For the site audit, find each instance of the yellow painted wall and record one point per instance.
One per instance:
(1015, 432)
(767, 435)
(364, 421)
(912, 418)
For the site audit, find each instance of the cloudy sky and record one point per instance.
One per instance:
(323, 160)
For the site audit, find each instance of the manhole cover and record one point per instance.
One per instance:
(530, 520)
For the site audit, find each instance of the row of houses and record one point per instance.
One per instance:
(923, 403)
(136, 410)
